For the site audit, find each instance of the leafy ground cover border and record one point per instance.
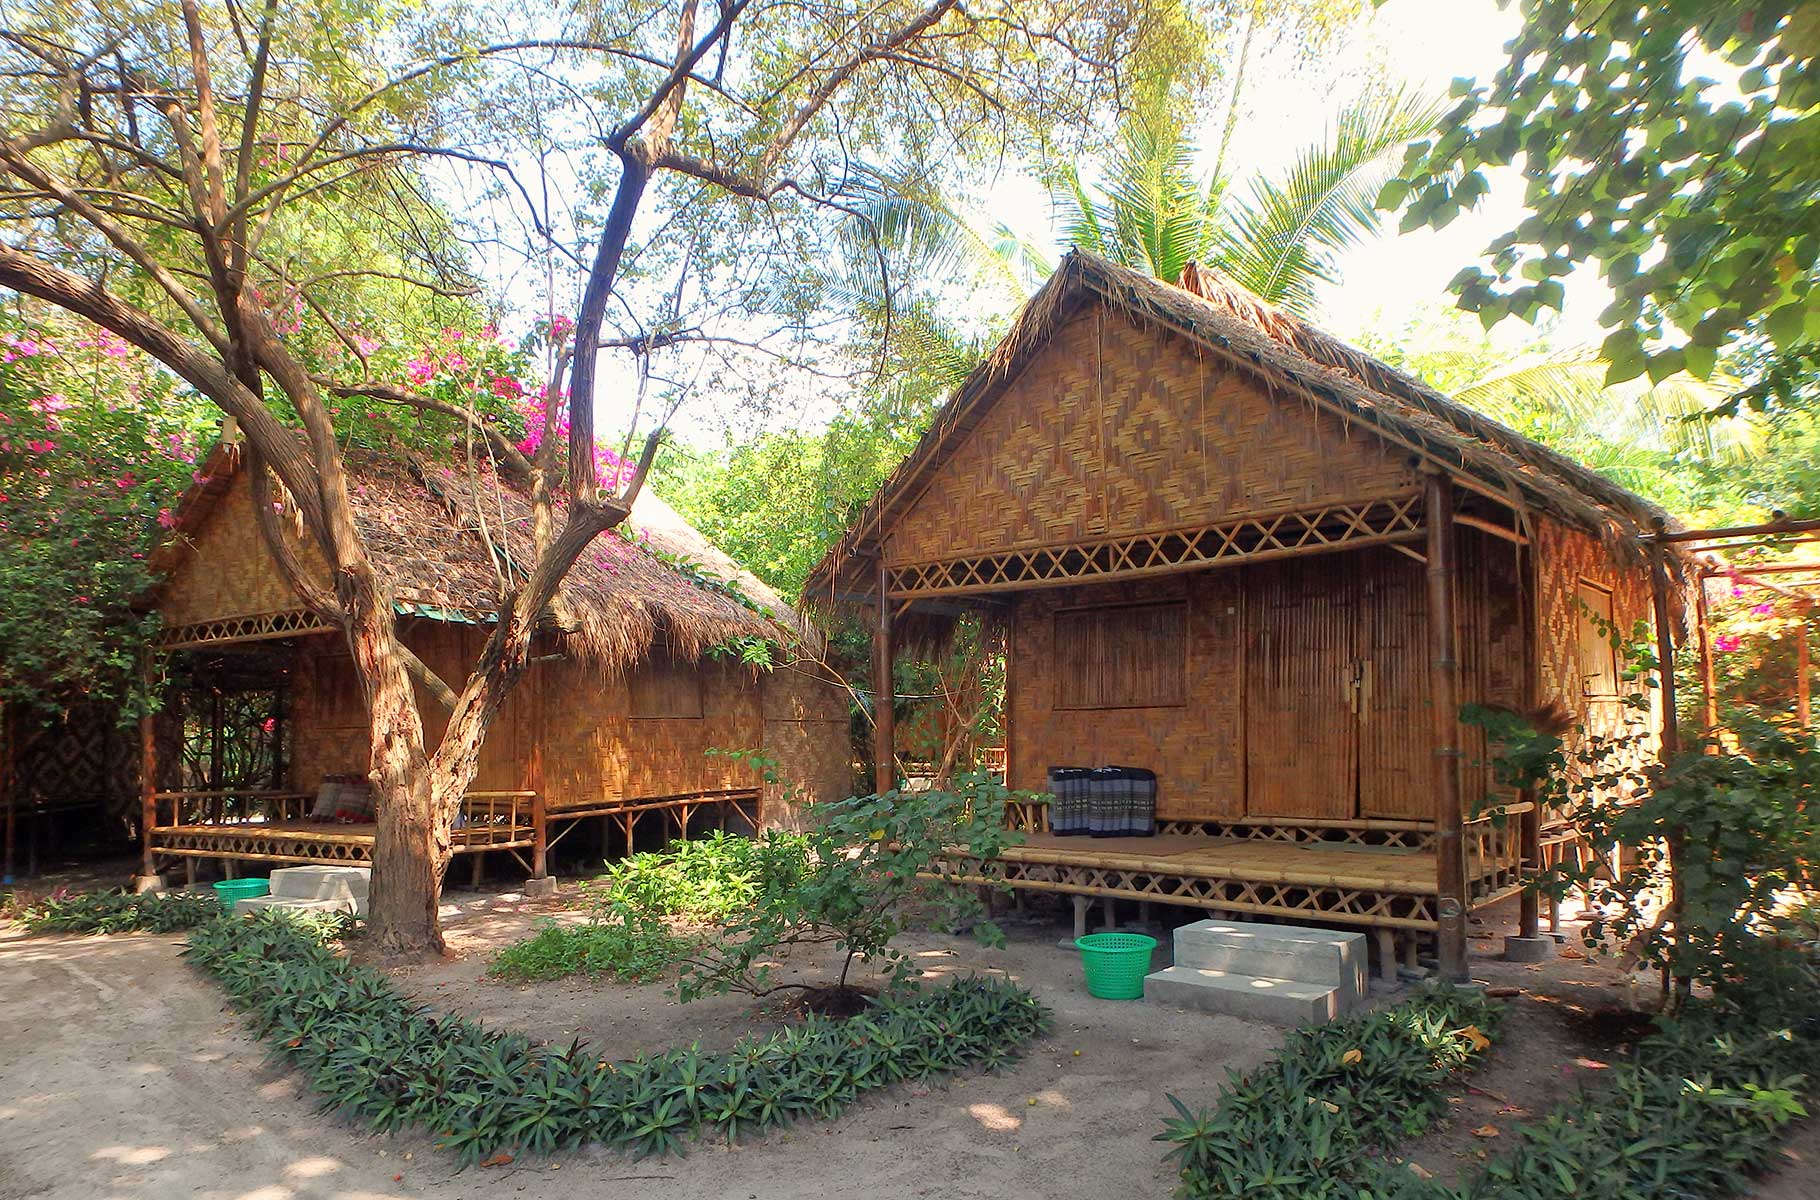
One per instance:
(376, 1058)
(1698, 1110)
(119, 911)
(1309, 1124)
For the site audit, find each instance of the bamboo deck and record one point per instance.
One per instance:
(1386, 887)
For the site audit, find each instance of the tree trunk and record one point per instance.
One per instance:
(411, 843)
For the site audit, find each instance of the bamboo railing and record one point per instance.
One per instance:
(1494, 852)
(233, 806)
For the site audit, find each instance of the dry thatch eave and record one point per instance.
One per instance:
(1289, 356)
(443, 537)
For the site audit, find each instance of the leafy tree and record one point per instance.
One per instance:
(1674, 142)
(165, 170)
(95, 444)
(1660, 439)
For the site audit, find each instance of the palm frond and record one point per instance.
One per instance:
(1280, 238)
(1673, 416)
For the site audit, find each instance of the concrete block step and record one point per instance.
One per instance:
(322, 882)
(253, 904)
(1276, 1001)
(1325, 957)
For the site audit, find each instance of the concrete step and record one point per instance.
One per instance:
(1323, 957)
(253, 904)
(1276, 1001)
(321, 882)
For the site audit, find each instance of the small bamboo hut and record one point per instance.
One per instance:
(637, 717)
(1234, 551)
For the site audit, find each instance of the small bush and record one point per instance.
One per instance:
(1302, 1127)
(625, 945)
(848, 883)
(121, 912)
(394, 1065)
(708, 879)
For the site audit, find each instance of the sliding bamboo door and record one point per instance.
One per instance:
(1301, 735)
(1336, 700)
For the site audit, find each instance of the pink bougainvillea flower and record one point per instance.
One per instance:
(561, 326)
(419, 370)
(167, 518)
(40, 446)
(455, 362)
(1764, 609)
(1726, 643)
(1737, 591)
(365, 344)
(506, 388)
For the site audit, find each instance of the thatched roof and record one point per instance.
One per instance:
(428, 525)
(1290, 357)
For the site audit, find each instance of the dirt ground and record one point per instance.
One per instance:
(122, 1077)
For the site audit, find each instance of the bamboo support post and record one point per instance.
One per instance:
(1529, 852)
(1709, 696)
(1803, 697)
(884, 735)
(148, 779)
(1387, 955)
(7, 752)
(1670, 736)
(1450, 859)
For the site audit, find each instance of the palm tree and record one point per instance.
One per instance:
(1277, 236)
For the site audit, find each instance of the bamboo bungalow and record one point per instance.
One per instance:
(1236, 552)
(261, 752)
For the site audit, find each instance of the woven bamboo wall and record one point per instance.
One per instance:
(1496, 663)
(227, 572)
(1115, 428)
(806, 733)
(329, 723)
(1564, 557)
(595, 752)
(1308, 686)
(1194, 747)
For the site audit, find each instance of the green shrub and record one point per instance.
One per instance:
(624, 944)
(393, 1065)
(1302, 1127)
(121, 912)
(707, 879)
(848, 881)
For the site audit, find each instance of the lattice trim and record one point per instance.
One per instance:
(259, 845)
(243, 629)
(1279, 535)
(1343, 905)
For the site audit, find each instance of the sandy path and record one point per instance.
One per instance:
(123, 1077)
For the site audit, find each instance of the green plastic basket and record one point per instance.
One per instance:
(230, 890)
(1116, 964)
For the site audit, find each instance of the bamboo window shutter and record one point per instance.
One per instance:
(665, 689)
(1127, 656)
(1598, 659)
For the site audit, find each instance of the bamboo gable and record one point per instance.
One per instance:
(1117, 428)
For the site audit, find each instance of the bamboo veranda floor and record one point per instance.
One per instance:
(1389, 889)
